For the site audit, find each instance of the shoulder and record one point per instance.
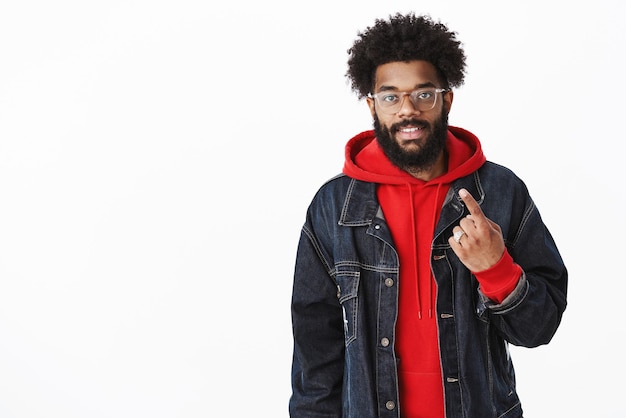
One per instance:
(495, 176)
(343, 197)
(339, 186)
(497, 169)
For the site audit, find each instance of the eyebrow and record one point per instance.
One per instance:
(418, 86)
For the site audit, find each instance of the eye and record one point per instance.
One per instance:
(423, 94)
(388, 98)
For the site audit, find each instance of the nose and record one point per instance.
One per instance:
(407, 107)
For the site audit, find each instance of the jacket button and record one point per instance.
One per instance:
(388, 282)
(384, 342)
(376, 226)
(390, 405)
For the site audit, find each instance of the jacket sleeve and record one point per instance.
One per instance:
(317, 325)
(531, 314)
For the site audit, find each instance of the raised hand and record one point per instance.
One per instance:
(477, 240)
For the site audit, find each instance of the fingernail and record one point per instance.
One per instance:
(463, 193)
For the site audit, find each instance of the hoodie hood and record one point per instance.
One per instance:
(365, 159)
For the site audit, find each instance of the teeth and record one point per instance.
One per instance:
(410, 129)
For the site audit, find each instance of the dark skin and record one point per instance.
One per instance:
(407, 76)
(481, 246)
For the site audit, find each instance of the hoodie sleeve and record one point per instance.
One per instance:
(499, 281)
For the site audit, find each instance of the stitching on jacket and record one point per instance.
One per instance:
(318, 250)
(377, 268)
(525, 218)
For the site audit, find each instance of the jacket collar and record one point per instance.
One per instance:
(361, 205)
(454, 208)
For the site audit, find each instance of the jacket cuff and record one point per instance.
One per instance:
(499, 281)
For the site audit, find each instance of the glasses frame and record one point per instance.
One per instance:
(403, 94)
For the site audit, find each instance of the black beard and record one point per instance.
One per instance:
(426, 156)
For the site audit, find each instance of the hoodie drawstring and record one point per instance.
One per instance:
(431, 279)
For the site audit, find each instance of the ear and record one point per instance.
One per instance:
(370, 103)
(448, 97)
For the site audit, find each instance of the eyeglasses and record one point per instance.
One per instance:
(391, 102)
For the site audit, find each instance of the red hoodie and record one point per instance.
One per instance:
(411, 208)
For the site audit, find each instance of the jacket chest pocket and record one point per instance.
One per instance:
(347, 293)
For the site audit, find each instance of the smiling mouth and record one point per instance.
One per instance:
(410, 129)
(410, 132)
(409, 126)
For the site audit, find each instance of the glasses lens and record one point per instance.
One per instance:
(422, 100)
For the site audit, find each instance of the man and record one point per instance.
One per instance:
(420, 263)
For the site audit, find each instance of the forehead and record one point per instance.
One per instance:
(401, 75)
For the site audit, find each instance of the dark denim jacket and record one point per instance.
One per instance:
(345, 303)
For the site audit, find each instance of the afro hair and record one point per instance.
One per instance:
(405, 38)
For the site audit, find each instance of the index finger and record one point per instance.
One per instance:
(472, 205)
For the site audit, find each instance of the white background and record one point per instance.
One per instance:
(157, 159)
